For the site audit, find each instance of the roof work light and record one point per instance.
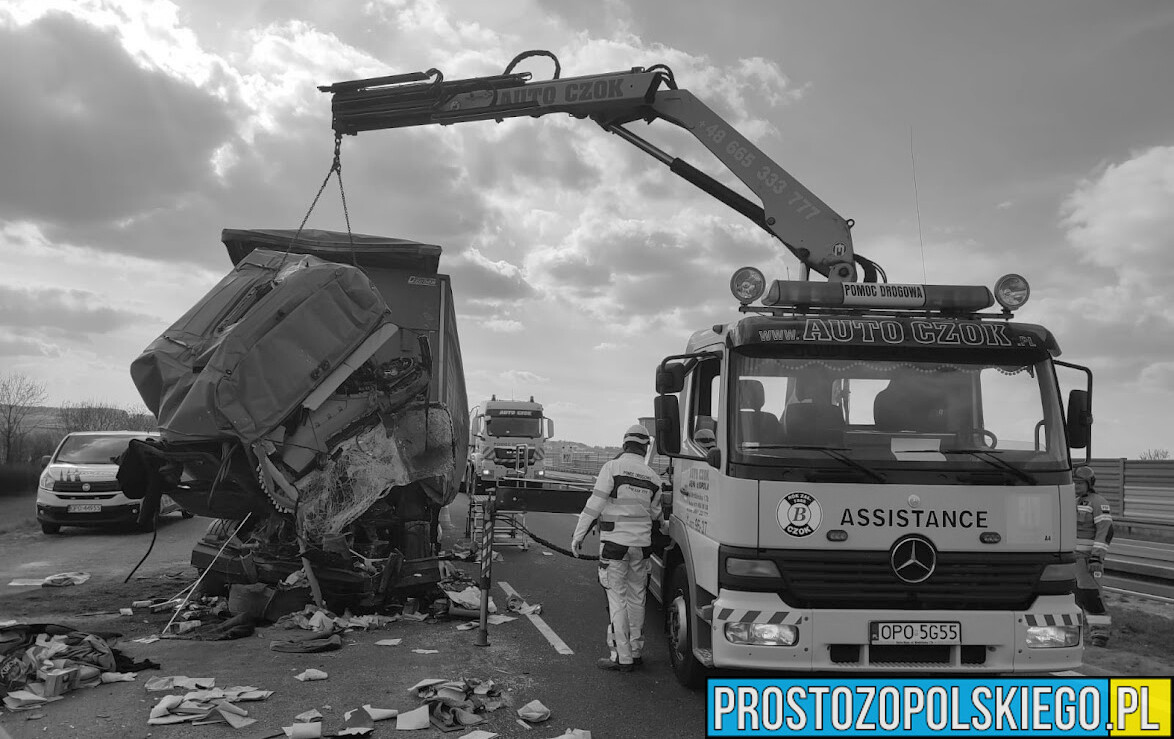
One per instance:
(748, 284)
(1012, 291)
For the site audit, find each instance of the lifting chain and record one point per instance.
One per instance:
(335, 167)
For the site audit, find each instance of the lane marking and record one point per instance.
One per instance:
(1147, 596)
(559, 645)
(1067, 673)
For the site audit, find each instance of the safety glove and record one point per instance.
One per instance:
(1096, 569)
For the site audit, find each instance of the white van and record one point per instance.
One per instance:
(79, 485)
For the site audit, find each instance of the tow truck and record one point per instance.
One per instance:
(891, 489)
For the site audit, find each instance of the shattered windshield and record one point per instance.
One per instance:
(892, 413)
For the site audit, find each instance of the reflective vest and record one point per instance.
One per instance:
(1094, 525)
(626, 500)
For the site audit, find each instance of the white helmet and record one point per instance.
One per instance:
(637, 434)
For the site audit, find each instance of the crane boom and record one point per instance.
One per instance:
(818, 236)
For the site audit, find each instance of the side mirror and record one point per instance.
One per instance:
(668, 424)
(670, 378)
(45, 460)
(714, 458)
(549, 428)
(1079, 419)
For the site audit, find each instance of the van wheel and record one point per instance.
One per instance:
(688, 670)
(50, 528)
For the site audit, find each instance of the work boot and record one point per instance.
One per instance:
(607, 664)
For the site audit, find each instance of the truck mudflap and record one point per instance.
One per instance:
(850, 640)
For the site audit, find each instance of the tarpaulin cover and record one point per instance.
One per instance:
(245, 356)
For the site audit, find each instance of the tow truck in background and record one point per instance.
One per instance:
(507, 439)
(891, 489)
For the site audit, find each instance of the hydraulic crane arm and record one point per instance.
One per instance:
(807, 226)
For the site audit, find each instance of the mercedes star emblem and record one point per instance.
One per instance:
(913, 559)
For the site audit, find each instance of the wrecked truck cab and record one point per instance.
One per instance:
(315, 399)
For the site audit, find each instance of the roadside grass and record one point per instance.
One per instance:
(1140, 643)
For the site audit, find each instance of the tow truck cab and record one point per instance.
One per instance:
(891, 488)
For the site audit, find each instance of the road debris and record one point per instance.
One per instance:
(479, 734)
(52, 581)
(388, 642)
(534, 712)
(308, 644)
(312, 730)
(312, 715)
(204, 707)
(452, 704)
(380, 714)
(311, 674)
(179, 681)
(426, 651)
(417, 718)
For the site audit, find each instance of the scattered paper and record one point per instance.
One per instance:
(497, 619)
(117, 677)
(146, 640)
(180, 681)
(304, 731)
(388, 642)
(426, 651)
(358, 723)
(126, 612)
(534, 711)
(417, 718)
(65, 578)
(380, 714)
(28, 582)
(479, 734)
(311, 674)
(468, 626)
(548, 554)
(574, 734)
(310, 715)
(524, 724)
(426, 683)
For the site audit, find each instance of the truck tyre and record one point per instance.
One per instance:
(679, 617)
(50, 528)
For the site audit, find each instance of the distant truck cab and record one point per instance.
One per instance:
(891, 488)
(507, 440)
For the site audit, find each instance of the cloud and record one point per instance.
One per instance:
(13, 344)
(76, 314)
(1123, 218)
(91, 137)
(523, 377)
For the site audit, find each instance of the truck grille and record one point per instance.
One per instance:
(962, 580)
(508, 457)
(100, 486)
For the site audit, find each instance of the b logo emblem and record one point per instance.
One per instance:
(799, 514)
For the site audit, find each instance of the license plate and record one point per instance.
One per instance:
(84, 508)
(915, 632)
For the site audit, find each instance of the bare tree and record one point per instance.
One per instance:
(1155, 454)
(140, 419)
(19, 395)
(91, 415)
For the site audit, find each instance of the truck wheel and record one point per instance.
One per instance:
(679, 614)
(50, 528)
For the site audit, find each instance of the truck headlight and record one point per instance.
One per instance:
(762, 635)
(1050, 637)
(751, 567)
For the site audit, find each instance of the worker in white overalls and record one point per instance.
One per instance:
(627, 502)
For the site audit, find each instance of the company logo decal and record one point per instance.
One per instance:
(913, 559)
(799, 514)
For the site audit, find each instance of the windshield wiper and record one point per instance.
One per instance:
(836, 452)
(994, 461)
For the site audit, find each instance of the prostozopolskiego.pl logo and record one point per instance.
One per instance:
(799, 514)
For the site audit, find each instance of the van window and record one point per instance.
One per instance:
(92, 449)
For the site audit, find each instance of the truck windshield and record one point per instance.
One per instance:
(964, 413)
(530, 428)
(92, 449)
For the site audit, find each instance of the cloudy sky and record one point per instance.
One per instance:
(133, 131)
